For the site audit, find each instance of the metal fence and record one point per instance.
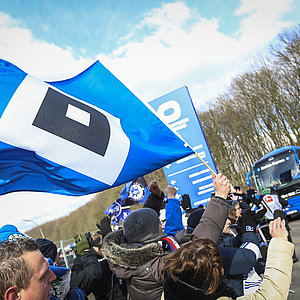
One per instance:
(65, 253)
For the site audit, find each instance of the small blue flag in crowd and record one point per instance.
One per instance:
(135, 192)
(117, 212)
(77, 136)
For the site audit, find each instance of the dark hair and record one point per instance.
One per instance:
(198, 263)
(14, 271)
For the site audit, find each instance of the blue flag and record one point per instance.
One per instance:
(135, 192)
(117, 212)
(189, 175)
(77, 136)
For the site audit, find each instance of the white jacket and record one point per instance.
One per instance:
(278, 272)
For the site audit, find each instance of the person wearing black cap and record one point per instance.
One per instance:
(193, 219)
(48, 248)
(136, 254)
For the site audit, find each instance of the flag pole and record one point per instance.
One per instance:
(210, 169)
(206, 165)
(214, 174)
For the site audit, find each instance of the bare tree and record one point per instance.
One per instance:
(260, 111)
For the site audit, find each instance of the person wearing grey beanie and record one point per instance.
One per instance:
(136, 253)
(142, 226)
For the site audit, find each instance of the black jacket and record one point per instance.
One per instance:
(180, 290)
(92, 274)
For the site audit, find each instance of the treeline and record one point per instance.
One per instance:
(260, 111)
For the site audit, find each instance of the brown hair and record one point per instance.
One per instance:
(232, 215)
(198, 263)
(14, 271)
(232, 211)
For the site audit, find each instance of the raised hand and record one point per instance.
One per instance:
(170, 191)
(277, 229)
(221, 186)
(154, 188)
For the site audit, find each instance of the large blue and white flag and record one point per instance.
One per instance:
(189, 175)
(77, 136)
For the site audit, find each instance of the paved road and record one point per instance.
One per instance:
(295, 285)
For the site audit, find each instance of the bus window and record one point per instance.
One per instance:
(280, 169)
(286, 177)
(276, 171)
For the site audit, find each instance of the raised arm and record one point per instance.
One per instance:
(173, 212)
(277, 276)
(155, 199)
(213, 220)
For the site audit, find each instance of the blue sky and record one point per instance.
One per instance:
(103, 24)
(152, 46)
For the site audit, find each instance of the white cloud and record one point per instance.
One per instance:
(162, 61)
(168, 14)
(181, 43)
(262, 22)
(39, 207)
(43, 60)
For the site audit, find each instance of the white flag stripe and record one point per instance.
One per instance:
(202, 201)
(179, 127)
(202, 187)
(16, 129)
(184, 170)
(199, 173)
(182, 121)
(198, 147)
(205, 191)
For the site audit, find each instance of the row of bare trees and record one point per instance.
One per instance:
(259, 113)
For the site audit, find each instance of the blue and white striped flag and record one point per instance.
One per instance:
(77, 136)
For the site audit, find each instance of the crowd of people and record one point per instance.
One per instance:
(219, 255)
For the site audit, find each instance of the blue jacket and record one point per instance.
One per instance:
(173, 212)
(173, 217)
(238, 262)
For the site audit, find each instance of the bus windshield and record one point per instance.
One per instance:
(276, 171)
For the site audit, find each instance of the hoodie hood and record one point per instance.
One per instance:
(181, 290)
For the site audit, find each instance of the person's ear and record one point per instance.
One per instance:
(11, 294)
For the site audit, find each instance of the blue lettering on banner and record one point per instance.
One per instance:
(189, 175)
